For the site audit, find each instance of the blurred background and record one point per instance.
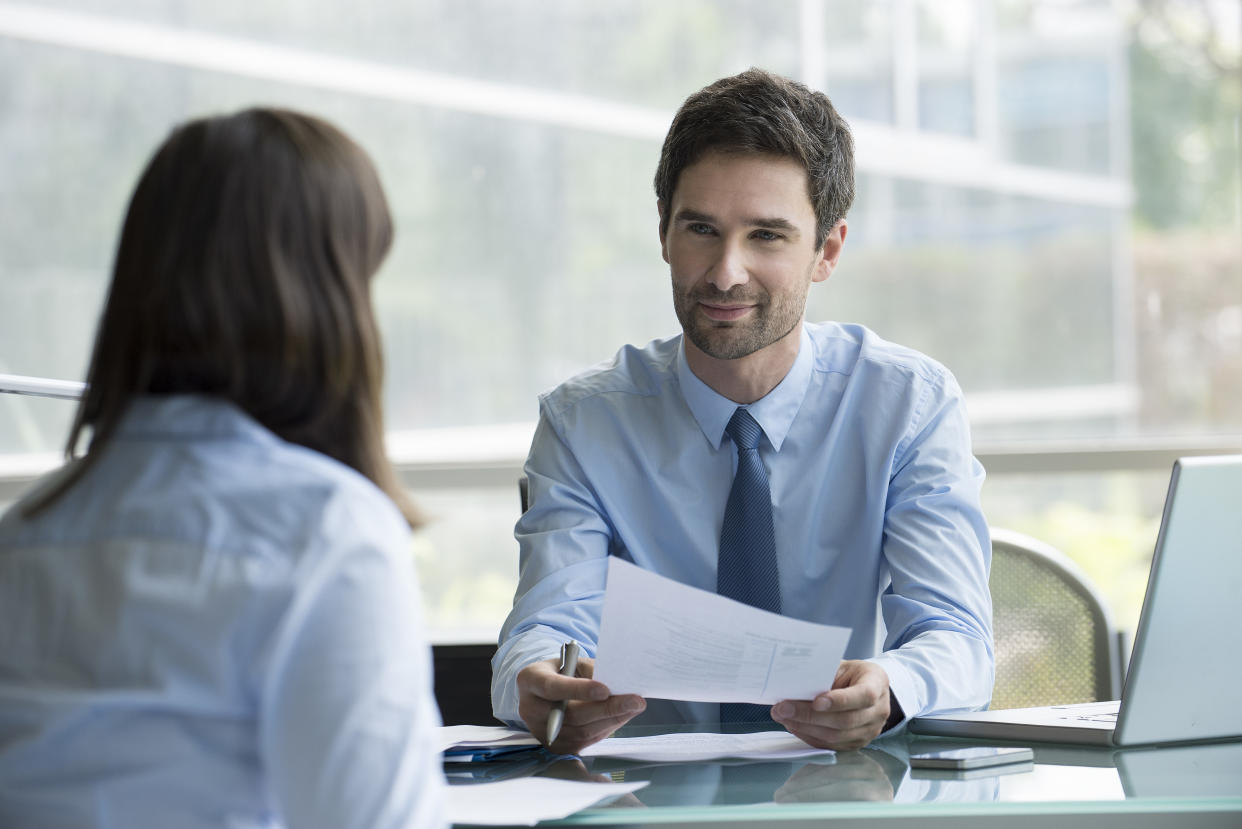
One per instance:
(1049, 202)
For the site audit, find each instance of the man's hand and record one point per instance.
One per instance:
(592, 714)
(847, 717)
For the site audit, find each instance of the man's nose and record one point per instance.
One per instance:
(729, 269)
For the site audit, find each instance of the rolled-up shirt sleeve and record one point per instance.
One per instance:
(564, 541)
(938, 650)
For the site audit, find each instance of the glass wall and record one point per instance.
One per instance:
(1049, 202)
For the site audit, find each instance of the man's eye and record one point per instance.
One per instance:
(766, 235)
(699, 228)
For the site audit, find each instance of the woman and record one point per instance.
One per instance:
(211, 618)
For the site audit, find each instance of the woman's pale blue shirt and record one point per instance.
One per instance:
(213, 627)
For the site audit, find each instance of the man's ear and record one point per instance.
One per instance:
(662, 209)
(830, 252)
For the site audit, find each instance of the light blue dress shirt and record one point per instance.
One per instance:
(213, 628)
(875, 497)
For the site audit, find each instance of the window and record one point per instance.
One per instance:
(1050, 203)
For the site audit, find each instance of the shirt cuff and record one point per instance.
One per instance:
(512, 657)
(903, 688)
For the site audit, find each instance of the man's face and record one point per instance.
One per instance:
(740, 242)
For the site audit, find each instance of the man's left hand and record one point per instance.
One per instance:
(847, 717)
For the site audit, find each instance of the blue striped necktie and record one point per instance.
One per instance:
(746, 569)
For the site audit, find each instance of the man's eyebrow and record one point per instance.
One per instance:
(774, 223)
(771, 223)
(685, 215)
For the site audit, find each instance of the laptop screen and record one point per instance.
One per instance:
(1185, 673)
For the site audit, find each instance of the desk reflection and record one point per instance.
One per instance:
(1194, 771)
(871, 774)
(1150, 787)
(868, 774)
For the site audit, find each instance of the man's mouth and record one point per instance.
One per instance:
(724, 313)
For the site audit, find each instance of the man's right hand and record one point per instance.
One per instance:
(591, 715)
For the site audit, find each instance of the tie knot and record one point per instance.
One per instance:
(744, 430)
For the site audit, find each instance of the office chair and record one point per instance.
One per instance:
(1055, 640)
(463, 683)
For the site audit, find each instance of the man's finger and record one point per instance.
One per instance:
(557, 687)
(621, 707)
(837, 718)
(587, 722)
(835, 739)
(858, 684)
(851, 698)
(543, 680)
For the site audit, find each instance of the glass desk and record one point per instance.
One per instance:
(1182, 786)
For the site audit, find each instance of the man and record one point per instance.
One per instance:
(858, 505)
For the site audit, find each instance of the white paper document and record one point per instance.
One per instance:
(698, 747)
(483, 736)
(527, 800)
(659, 638)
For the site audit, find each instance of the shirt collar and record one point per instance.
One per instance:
(774, 412)
(188, 415)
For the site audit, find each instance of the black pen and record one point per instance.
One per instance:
(569, 667)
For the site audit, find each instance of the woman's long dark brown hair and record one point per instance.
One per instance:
(243, 272)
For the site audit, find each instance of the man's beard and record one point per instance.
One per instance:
(768, 322)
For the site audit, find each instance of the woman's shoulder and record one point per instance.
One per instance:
(233, 489)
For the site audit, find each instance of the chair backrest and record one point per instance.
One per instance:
(1055, 640)
(463, 683)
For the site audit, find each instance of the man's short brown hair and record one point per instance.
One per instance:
(765, 114)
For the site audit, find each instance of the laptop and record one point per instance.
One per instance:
(1185, 672)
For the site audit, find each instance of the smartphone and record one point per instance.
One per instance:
(990, 772)
(975, 757)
